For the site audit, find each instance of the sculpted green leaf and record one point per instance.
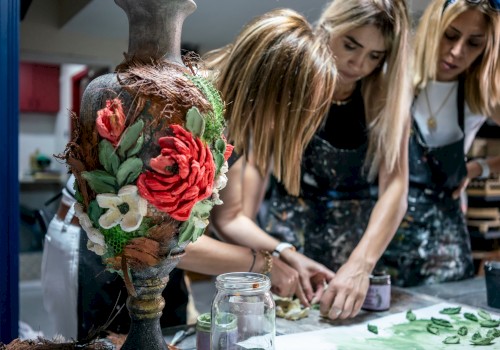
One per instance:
(489, 323)
(451, 310)
(108, 157)
(462, 331)
(476, 336)
(441, 322)
(129, 171)
(219, 161)
(482, 341)
(137, 148)
(432, 329)
(195, 122)
(130, 137)
(95, 212)
(373, 328)
(452, 340)
(410, 316)
(493, 333)
(470, 317)
(100, 181)
(186, 231)
(220, 146)
(484, 314)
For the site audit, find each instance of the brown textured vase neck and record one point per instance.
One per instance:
(155, 28)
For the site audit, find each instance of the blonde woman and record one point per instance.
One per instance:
(336, 219)
(277, 79)
(457, 82)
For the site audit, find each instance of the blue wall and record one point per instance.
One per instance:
(9, 184)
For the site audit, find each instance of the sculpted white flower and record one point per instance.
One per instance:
(219, 183)
(126, 208)
(96, 239)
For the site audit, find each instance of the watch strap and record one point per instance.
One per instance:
(282, 246)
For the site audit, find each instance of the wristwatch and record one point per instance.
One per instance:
(281, 247)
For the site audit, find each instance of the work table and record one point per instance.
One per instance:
(470, 292)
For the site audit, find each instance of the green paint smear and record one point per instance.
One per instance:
(414, 336)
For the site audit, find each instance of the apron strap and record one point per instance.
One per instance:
(461, 103)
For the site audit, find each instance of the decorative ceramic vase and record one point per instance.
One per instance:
(146, 307)
(149, 156)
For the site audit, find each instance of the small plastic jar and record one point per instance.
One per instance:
(246, 298)
(378, 297)
(203, 326)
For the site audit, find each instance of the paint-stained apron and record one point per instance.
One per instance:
(329, 217)
(432, 244)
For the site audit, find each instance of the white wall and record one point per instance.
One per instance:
(48, 133)
(42, 39)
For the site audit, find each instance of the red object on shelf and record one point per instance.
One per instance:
(38, 87)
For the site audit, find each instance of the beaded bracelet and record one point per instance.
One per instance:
(254, 253)
(268, 265)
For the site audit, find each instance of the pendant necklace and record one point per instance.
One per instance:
(341, 102)
(347, 99)
(431, 120)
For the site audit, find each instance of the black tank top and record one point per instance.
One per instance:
(345, 126)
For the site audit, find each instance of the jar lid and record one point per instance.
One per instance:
(380, 278)
(203, 322)
(243, 282)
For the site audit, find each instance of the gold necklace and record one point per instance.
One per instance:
(341, 102)
(431, 120)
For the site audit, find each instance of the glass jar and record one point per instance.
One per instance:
(244, 297)
(203, 325)
(378, 297)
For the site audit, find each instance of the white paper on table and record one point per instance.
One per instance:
(357, 337)
(263, 342)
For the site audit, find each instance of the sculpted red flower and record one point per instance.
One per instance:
(182, 175)
(111, 121)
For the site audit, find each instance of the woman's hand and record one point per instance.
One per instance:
(313, 275)
(346, 292)
(285, 281)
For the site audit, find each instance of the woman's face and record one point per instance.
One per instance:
(463, 41)
(358, 52)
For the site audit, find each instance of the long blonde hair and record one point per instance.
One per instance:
(387, 90)
(277, 79)
(482, 78)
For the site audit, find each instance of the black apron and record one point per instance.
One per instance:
(328, 218)
(432, 244)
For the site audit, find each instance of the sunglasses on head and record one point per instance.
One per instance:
(494, 4)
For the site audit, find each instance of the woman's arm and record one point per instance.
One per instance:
(346, 292)
(213, 257)
(233, 221)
